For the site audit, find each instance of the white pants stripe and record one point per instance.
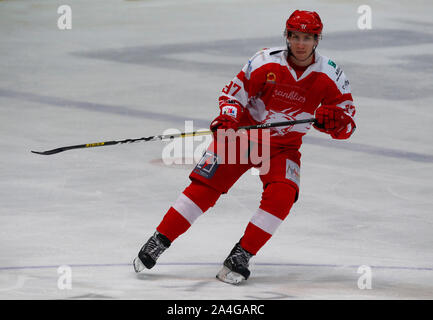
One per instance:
(266, 221)
(187, 208)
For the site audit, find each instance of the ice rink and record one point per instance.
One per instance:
(71, 223)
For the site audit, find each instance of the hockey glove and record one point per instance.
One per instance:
(229, 118)
(334, 121)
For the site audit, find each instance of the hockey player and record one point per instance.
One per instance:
(277, 84)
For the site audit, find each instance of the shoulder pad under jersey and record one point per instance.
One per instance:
(260, 58)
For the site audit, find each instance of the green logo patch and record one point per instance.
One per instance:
(332, 63)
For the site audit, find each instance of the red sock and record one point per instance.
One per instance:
(196, 199)
(277, 199)
(254, 238)
(173, 224)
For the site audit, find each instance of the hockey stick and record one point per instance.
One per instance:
(170, 136)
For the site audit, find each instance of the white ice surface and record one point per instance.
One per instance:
(129, 69)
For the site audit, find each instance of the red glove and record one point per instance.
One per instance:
(334, 121)
(229, 118)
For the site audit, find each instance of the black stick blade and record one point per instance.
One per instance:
(48, 152)
(37, 152)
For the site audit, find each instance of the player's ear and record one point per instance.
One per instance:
(316, 42)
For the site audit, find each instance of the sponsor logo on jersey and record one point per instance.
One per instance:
(345, 85)
(271, 77)
(332, 63)
(338, 73)
(207, 165)
(229, 110)
(249, 68)
(274, 116)
(292, 95)
(293, 172)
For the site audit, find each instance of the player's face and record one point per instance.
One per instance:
(302, 44)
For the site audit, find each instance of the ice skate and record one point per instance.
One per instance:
(151, 251)
(235, 266)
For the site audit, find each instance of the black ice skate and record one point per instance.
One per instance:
(151, 251)
(235, 267)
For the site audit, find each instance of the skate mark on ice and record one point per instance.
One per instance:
(269, 295)
(199, 282)
(96, 107)
(19, 283)
(367, 149)
(196, 286)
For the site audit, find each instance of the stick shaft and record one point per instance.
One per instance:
(170, 136)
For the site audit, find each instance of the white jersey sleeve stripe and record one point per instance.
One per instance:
(345, 103)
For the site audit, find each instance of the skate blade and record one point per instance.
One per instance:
(138, 265)
(228, 276)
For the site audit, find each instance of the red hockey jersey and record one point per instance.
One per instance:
(270, 91)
